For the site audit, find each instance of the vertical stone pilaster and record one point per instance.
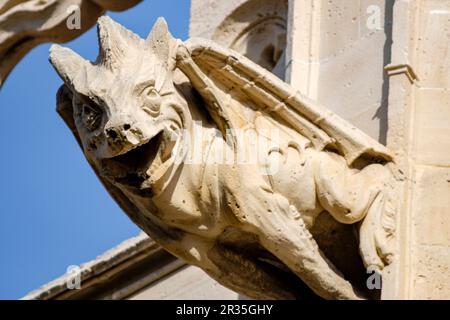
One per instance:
(419, 133)
(303, 46)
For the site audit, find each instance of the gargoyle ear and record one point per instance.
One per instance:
(68, 64)
(64, 108)
(114, 41)
(161, 42)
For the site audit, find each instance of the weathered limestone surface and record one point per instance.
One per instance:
(419, 132)
(336, 53)
(24, 24)
(170, 129)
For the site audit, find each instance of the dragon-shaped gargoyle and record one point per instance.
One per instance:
(135, 112)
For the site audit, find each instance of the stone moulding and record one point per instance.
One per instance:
(24, 24)
(249, 225)
(406, 69)
(111, 275)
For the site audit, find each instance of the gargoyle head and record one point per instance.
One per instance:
(124, 107)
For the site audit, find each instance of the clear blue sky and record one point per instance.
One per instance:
(54, 212)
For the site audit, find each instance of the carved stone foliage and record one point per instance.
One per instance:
(24, 24)
(226, 166)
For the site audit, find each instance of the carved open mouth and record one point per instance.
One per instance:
(130, 169)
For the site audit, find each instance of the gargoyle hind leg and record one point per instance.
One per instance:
(350, 196)
(291, 242)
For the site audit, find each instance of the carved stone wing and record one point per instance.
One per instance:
(212, 68)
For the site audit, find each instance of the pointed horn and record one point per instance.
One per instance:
(67, 63)
(160, 29)
(113, 40)
(160, 40)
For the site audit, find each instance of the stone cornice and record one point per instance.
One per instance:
(116, 274)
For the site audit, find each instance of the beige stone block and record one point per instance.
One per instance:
(432, 127)
(432, 206)
(433, 44)
(339, 26)
(432, 270)
(346, 88)
(344, 23)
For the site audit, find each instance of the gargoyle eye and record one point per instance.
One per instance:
(91, 117)
(152, 101)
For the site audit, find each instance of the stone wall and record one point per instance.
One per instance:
(336, 54)
(419, 132)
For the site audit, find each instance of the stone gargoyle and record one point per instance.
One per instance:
(135, 112)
